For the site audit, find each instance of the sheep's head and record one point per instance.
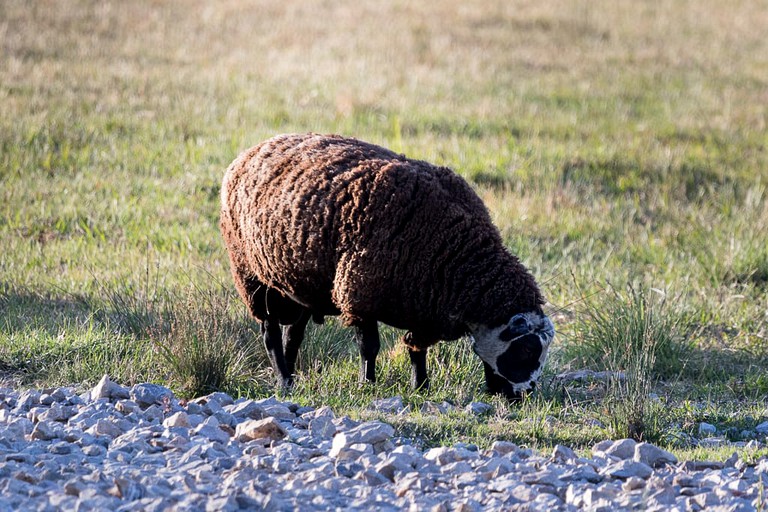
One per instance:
(514, 353)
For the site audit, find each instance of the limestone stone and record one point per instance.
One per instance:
(627, 468)
(653, 455)
(108, 389)
(267, 428)
(392, 405)
(148, 394)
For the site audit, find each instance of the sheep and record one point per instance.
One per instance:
(319, 225)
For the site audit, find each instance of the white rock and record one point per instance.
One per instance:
(414, 482)
(154, 413)
(563, 454)
(632, 483)
(372, 477)
(128, 490)
(322, 427)
(54, 395)
(27, 400)
(247, 409)
(594, 499)
(363, 448)
(222, 399)
(105, 427)
(705, 500)
(190, 462)
(347, 453)
(445, 455)
(58, 412)
(392, 405)
(495, 467)
(268, 428)
(441, 455)
(652, 455)
(622, 449)
(707, 429)
(503, 447)
(278, 411)
(177, 419)
(435, 409)
(546, 476)
(393, 464)
(583, 472)
(44, 431)
(9, 434)
(345, 423)
(108, 389)
(735, 487)
(290, 452)
(600, 447)
(627, 468)
(370, 432)
(713, 442)
(148, 394)
(93, 450)
(478, 408)
(322, 411)
(127, 407)
(212, 432)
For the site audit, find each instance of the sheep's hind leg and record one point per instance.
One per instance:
(274, 346)
(293, 335)
(417, 351)
(367, 337)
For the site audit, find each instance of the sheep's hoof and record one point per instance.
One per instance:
(364, 380)
(285, 385)
(368, 372)
(421, 387)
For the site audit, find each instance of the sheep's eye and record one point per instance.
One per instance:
(520, 322)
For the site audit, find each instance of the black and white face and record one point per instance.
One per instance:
(514, 353)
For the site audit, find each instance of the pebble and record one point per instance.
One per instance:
(478, 408)
(652, 455)
(140, 448)
(393, 405)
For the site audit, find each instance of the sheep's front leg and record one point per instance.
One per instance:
(293, 335)
(419, 378)
(367, 337)
(273, 344)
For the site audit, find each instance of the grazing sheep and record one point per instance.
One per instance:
(321, 225)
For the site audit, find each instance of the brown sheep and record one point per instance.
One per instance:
(321, 225)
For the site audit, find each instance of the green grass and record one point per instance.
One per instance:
(615, 144)
(639, 338)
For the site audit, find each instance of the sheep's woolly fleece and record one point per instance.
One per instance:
(345, 227)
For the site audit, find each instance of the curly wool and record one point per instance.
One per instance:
(341, 226)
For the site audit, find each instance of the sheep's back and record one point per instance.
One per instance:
(339, 224)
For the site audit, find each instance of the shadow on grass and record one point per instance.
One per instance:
(38, 333)
(191, 341)
(24, 310)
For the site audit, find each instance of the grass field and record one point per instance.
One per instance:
(621, 147)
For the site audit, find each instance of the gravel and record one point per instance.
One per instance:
(140, 448)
